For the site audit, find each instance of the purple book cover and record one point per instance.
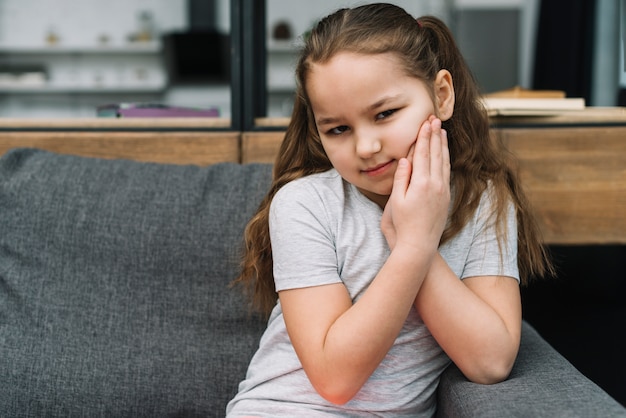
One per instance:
(156, 111)
(171, 112)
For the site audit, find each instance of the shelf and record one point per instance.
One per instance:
(82, 89)
(138, 48)
(92, 123)
(281, 83)
(284, 47)
(282, 89)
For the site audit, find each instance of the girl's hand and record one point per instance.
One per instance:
(417, 210)
(386, 222)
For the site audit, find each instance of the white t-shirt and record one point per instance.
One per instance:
(323, 231)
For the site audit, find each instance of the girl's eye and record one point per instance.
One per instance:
(385, 114)
(338, 130)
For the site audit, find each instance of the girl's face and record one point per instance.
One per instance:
(368, 112)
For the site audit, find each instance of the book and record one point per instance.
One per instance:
(530, 106)
(518, 92)
(153, 110)
(518, 101)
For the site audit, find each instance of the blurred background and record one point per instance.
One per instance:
(63, 58)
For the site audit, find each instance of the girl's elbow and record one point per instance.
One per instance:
(492, 365)
(489, 377)
(337, 398)
(491, 372)
(338, 393)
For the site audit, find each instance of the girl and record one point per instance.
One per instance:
(395, 233)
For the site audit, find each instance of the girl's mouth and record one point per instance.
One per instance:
(378, 169)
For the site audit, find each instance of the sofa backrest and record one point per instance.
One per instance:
(114, 285)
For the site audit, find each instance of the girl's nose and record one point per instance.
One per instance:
(367, 145)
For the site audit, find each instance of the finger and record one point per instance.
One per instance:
(445, 150)
(436, 155)
(409, 156)
(421, 155)
(401, 177)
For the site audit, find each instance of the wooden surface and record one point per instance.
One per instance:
(576, 180)
(113, 123)
(589, 116)
(260, 147)
(199, 148)
(573, 164)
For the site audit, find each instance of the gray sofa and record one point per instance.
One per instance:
(115, 298)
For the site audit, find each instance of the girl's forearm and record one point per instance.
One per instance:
(359, 338)
(477, 321)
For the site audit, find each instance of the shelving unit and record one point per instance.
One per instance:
(70, 89)
(78, 77)
(130, 48)
(83, 69)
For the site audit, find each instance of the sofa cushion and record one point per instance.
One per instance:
(542, 384)
(114, 285)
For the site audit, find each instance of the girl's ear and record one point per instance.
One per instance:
(444, 91)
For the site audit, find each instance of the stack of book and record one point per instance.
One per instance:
(22, 76)
(521, 102)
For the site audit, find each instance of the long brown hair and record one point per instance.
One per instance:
(424, 46)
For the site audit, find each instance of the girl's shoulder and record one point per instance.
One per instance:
(320, 194)
(311, 186)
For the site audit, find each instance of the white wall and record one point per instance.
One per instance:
(82, 22)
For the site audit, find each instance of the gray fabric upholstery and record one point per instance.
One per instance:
(115, 298)
(114, 286)
(542, 384)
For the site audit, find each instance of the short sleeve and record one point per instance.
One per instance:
(302, 237)
(493, 251)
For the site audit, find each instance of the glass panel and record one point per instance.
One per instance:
(72, 57)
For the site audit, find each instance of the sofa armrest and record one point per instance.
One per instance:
(542, 384)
